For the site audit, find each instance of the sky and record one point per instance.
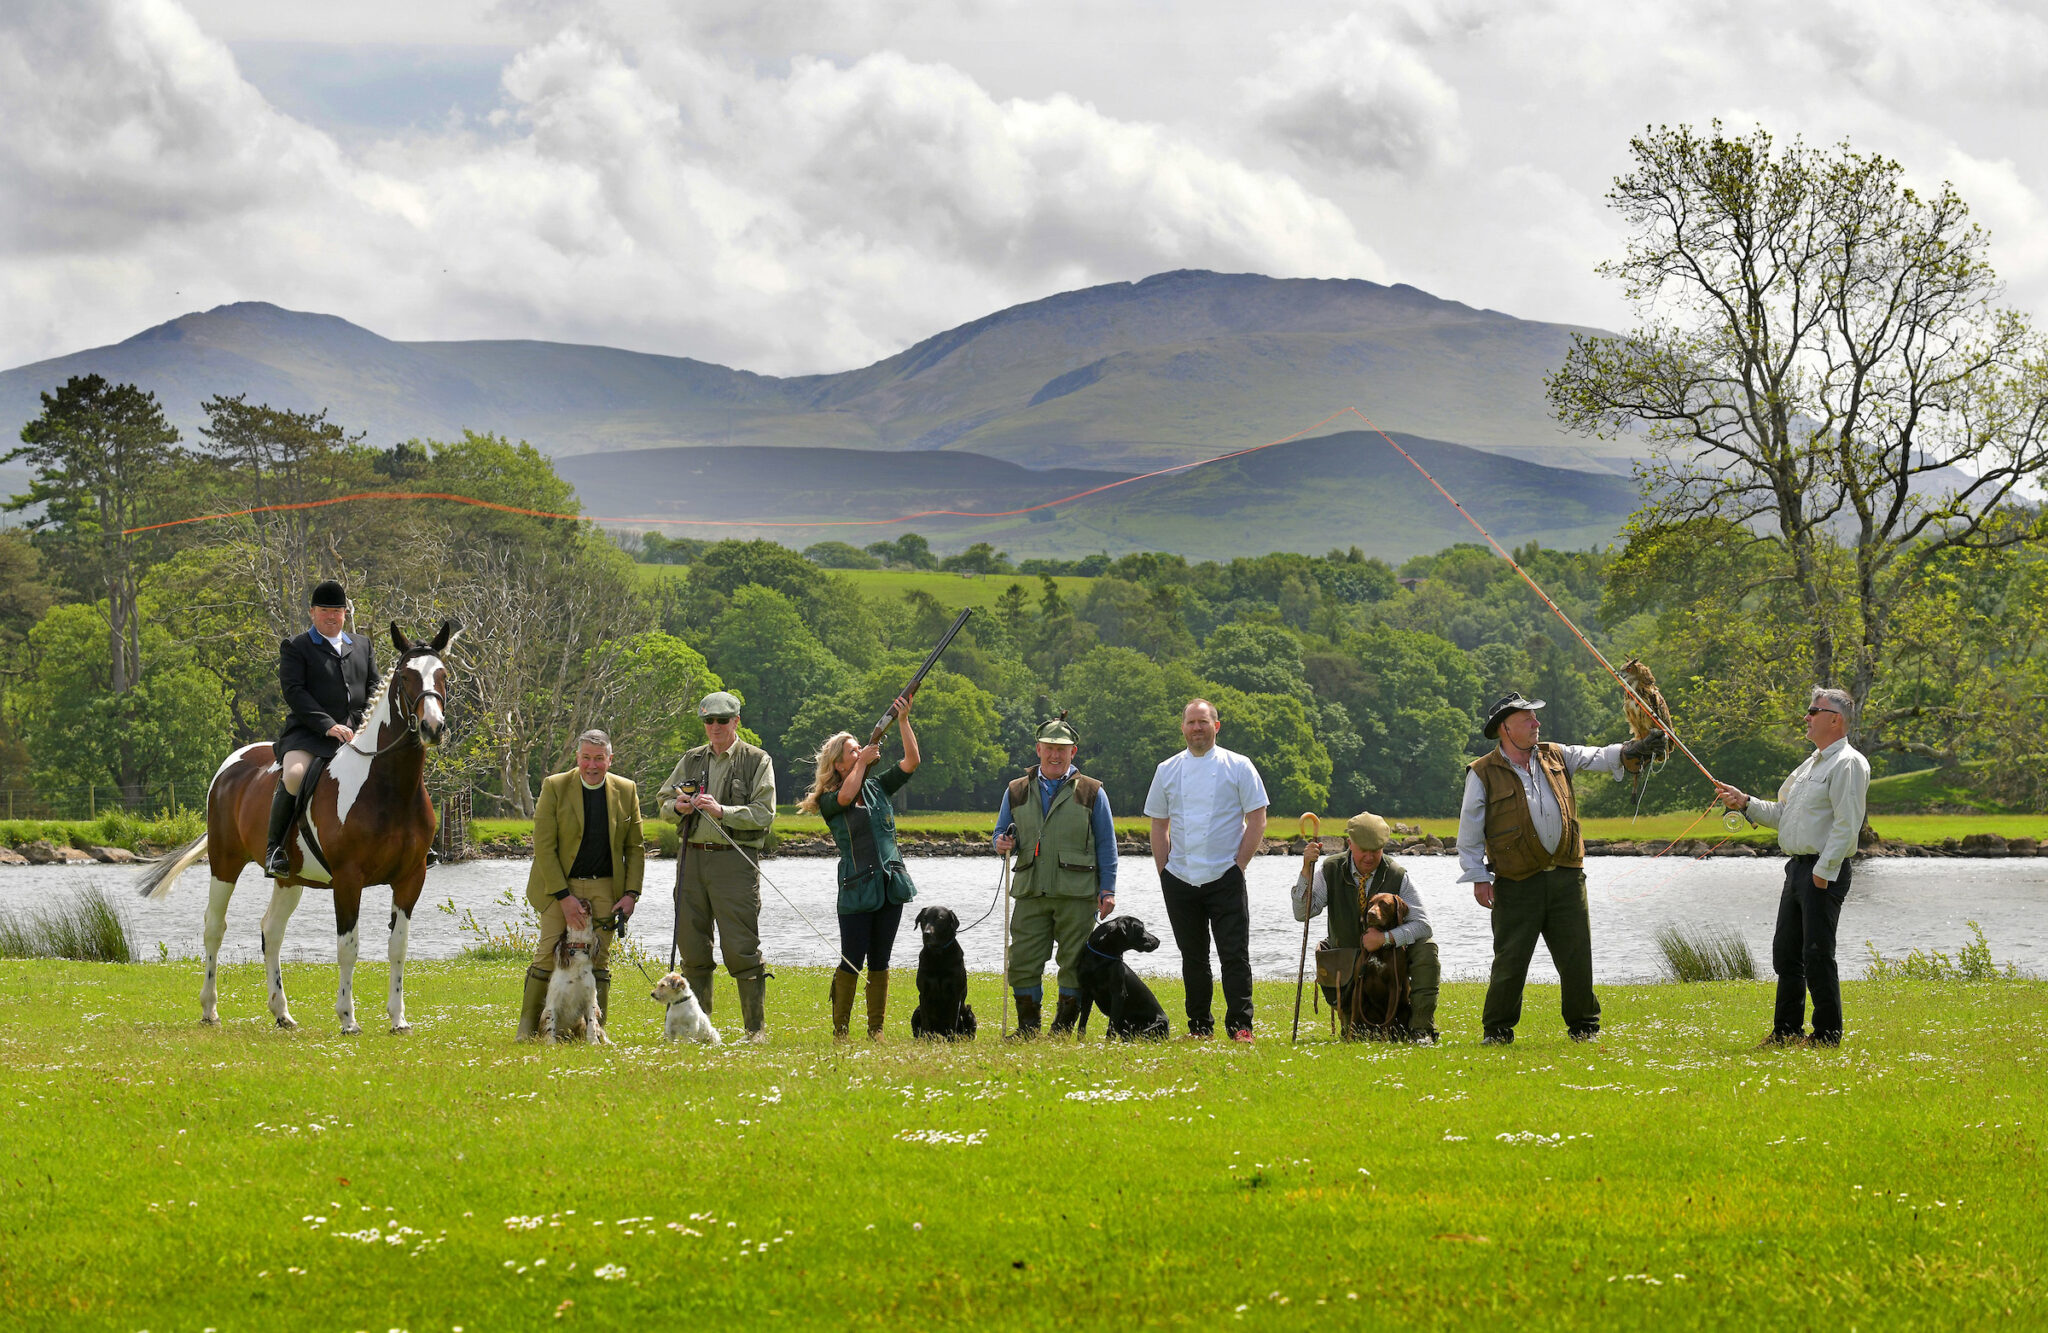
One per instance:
(809, 186)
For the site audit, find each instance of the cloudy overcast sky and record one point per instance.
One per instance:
(801, 186)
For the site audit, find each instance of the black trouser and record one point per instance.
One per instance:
(1221, 908)
(1803, 951)
(865, 938)
(1549, 906)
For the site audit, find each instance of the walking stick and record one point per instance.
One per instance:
(1301, 973)
(1003, 888)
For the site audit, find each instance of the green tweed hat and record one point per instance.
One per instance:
(1058, 731)
(718, 703)
(1368, 832)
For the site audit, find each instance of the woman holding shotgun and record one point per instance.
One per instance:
(873, 885)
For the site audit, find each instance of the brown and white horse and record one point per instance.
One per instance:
(370, 812)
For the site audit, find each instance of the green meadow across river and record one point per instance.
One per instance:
(158, 1175)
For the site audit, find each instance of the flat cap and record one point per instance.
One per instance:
(1368, 832)
(1058, 731)
(719, 703)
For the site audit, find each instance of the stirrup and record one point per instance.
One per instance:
(277, 862)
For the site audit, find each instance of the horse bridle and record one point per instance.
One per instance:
(410, 712)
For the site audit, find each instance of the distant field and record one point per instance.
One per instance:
(953, 591)
(1932, 787)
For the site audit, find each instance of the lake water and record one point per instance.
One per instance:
(1896, 904)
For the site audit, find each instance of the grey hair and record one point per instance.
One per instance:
(594, 737)
(1839, 700)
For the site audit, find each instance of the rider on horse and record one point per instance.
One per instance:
(326, 674)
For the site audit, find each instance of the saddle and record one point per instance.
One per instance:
(302, 813)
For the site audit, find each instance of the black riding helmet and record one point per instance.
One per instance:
(329, 594)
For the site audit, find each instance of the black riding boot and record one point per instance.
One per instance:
(1027, 1019)
(276, 861)
(1065, 1016)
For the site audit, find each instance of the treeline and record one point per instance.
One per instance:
(137, 662)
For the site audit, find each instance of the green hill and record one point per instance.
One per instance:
(1334, 491)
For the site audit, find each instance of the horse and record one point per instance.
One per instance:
(370, 814)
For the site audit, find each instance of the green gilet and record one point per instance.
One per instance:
(1055, 847)
(1346, 904)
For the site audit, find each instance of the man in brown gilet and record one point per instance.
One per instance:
(1519, 847)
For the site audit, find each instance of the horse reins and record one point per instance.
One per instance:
(410, 712)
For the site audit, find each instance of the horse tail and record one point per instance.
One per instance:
(156, 881)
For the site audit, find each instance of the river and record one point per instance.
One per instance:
(1896, 904)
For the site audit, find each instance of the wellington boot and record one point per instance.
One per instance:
(604, 996)
(1065, 1016)
(878, 1000)
(753, 1006)
(842, 1002)
(531, 1002)
(1027, 1019)
(276, 861)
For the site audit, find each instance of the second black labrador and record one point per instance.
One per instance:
(942, 1008)
(1109, 984)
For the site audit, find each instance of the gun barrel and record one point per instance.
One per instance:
(931, 660)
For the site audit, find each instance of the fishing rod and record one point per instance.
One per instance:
(931, 660)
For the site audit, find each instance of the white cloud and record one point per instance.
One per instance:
(1357, 94)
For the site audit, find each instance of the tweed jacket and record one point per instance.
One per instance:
(558, 832)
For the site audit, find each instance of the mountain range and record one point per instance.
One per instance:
(1031, 401)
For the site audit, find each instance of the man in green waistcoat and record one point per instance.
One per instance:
(1058, 824)
(731, 782)
(1519, 847)
(1344, 882)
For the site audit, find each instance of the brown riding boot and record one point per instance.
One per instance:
(878, 1000)
(531, 1002)
(842, 1002)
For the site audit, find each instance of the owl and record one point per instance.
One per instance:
(1645, 686)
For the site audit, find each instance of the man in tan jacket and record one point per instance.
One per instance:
(588, 861)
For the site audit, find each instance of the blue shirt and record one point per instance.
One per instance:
(1099, 823)
(316, 636)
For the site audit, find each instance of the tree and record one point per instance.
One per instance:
(1258, 659)
(104, 457)
(1273, 731)
(909, 549)
(765, 653)
(957, 727)
(840, 555)
(1822, 369)
(980, 558)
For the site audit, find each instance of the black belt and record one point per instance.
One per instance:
(715, 846)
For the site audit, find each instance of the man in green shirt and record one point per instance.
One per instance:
(732, 783)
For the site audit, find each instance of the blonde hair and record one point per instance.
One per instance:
(827, 774)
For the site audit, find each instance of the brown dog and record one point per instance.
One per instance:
(1376, 1004)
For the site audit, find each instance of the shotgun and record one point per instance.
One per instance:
(932, 660)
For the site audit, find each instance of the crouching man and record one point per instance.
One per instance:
(1346, 883)
(588, 861)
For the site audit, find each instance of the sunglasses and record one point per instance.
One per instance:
(722, 720)
(1811, 711)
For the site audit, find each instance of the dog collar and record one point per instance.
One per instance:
(1097, 952)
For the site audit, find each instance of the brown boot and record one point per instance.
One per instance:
(842, 1002)
(878, 1000)
(531, 1002)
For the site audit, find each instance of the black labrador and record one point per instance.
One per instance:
(1108, 984)
(942, 1008)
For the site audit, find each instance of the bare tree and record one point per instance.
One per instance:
(1823, 360)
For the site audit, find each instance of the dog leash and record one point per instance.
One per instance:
(1002, 877)
(778, 890)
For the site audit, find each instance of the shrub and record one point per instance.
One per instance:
(1698, 954)
(1973, 963)
(90, 929)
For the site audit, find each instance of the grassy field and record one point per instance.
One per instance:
(1930, 788)
(1925, 829)
(953, 591)
(159, 1175)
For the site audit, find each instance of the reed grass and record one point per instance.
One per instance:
(89, 928)
(1698, 953)
(1973, 962)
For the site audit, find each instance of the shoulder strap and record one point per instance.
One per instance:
(1086, 789)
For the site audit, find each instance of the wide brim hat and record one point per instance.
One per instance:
(1511, 702)
(1058, 731)
(329, 595)
(719, 703)
(1368, 832)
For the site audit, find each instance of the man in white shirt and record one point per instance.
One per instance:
(1208, 812)
(1519, 847)
(1818, 815)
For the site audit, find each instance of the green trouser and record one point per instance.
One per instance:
(1036, 924)
(1551, 906)
(719, 890)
